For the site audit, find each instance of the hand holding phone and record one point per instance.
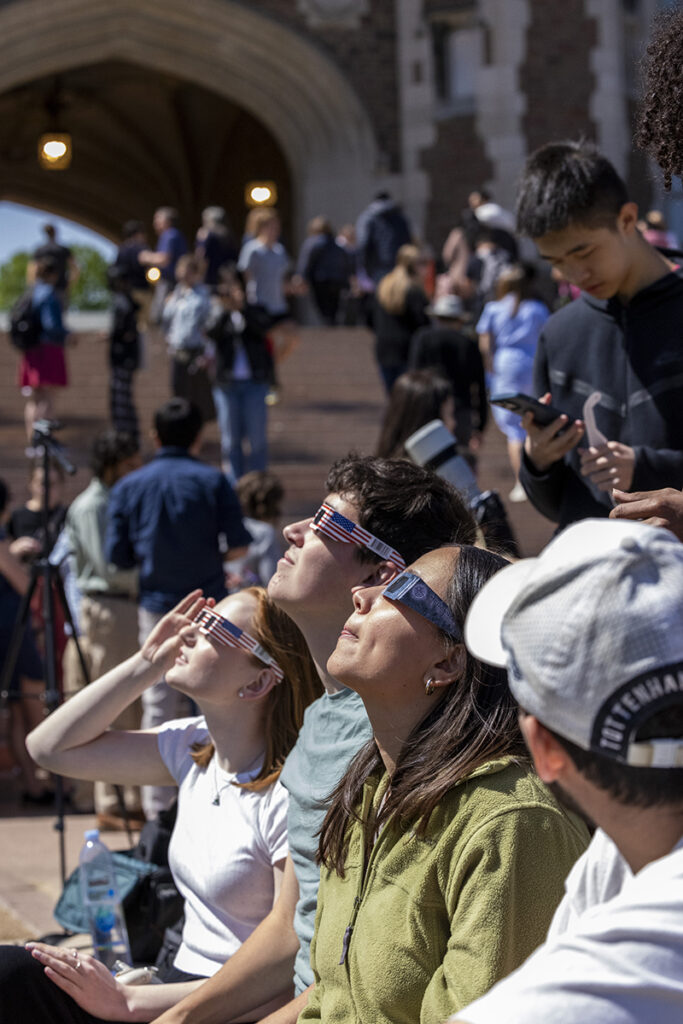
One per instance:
(520, 403)
(547, 441)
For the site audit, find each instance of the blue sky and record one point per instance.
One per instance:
(21, 229)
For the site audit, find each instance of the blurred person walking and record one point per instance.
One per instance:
(399, 311)
(509, 329)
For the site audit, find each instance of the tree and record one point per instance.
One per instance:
(89, 292)
(13, 278)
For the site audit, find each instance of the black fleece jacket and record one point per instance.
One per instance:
(633, 355)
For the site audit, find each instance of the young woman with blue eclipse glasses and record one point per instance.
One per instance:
(247, 667)
(442, 855)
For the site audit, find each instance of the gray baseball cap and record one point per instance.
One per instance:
(591, 633)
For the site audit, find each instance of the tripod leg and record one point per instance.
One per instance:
(52, 697)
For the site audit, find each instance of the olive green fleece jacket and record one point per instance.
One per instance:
(433, 922)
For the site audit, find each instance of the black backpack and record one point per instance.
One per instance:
(25, 326)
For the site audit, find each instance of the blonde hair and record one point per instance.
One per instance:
(284, 706)
(392, 289)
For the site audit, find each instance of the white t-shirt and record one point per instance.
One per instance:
(267, 266)
(221, 856)
(598, 875)
(619, 962)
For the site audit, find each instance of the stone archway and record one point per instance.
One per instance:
(282, 81)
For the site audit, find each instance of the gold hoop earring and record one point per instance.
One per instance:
(429, 687)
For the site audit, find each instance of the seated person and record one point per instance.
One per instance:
(229, 843)
(592, 633)
(443, 855)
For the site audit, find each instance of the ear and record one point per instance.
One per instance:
(380, 574)
(448, 670)
(551, 760)
(627, 218)
(259, 687)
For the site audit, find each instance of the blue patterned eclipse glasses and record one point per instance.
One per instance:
(414, 593)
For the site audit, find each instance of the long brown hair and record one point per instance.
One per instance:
(284, 706)
(392, 289)
(416, 398)
(473, 721)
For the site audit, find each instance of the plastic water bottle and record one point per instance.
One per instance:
(101, 900)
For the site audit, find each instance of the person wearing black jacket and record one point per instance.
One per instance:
(244, 370)
(619, 342)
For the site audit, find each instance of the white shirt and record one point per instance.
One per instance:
(617, 962)
(221, 856)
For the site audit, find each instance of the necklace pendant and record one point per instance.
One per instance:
(216, 800)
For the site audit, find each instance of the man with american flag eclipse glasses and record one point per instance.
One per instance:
(334, 525)
(225, 632)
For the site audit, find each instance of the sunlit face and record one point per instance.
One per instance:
(597, 260)
(316, 575)
(387, 650)
(211, 672)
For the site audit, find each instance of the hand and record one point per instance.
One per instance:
(544, 445)
(24, 547)
(656, 508)
(609, 465)
(161, 646)
(84, 978)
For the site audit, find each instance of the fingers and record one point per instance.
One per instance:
(62, 966)
(183, 607)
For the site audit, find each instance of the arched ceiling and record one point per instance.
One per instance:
(200, 67)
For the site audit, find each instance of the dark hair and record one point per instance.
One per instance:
(285, 704)
(634, 787)
(131, 228)
(416, 398)
(50, 230)
(518, 279)
(178, 422)
(474, 720)
(260, 493)
(567, 183)
(659, 128)
(110, 448)
(406, 506)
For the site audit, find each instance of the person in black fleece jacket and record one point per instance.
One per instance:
(622, 338)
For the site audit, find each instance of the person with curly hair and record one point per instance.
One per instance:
(659, 130)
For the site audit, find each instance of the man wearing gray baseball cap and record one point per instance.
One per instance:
(591, 633)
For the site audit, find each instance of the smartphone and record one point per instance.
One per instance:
(543, 414)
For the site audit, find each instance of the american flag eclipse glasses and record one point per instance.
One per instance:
(225, 632)
(337, 527)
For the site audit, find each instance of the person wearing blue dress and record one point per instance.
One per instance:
(508, 330)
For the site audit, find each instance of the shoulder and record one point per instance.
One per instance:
(499, 796)
(175, 740)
